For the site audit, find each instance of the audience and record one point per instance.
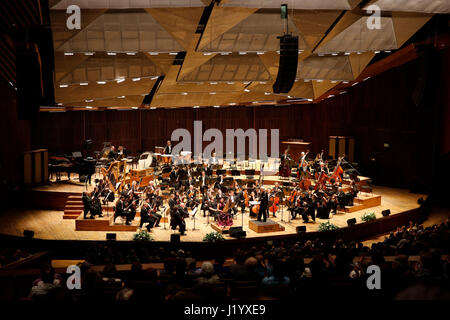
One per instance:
(301, 268)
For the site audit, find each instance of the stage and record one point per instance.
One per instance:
(49, 224)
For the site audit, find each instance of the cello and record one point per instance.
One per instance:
(275, 200)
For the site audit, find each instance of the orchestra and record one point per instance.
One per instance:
(316, 192)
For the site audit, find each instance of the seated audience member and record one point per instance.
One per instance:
(207, 275)
(46, 284)
(277, 278)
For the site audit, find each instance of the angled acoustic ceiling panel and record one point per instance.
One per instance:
(101, 67)
(358, 37)
(257, 32)
(233, 67)
(122, 32)
(127, 4)
(429, 6)
(297, 4)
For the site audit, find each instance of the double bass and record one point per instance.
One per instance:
(338, 171)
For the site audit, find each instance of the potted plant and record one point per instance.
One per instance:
(368, 216)
(213, 237)
(143, 236)
(327, 226)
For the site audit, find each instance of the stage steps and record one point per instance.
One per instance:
(73, 208)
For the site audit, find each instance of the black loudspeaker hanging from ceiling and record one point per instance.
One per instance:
(287, 70)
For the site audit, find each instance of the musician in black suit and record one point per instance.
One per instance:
(145, 216)
(168, 148)
(203, 182)
(87, 202)
(263, 206)
(112, 153)
(119, 209)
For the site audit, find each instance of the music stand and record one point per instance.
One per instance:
(164, 221)
(194, 211)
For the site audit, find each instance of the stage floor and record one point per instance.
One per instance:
(51, 225)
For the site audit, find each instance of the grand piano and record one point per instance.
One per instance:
(71, 164)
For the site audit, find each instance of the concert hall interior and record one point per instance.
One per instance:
(224, 149)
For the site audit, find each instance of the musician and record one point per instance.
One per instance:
(145, 216)
(233, 202)
(168, 148)
(112, 153)
(120, 210)
(284, 169)
(312, 206)
(87, 202)
(285, 155)
(96, 207)
(323, 210)
(264, 206)
(220, 180)
(213, 160)
(192, 197)
(177, 216)
(252, 197)
(189, 182)
(333, 204)
(155, 216)
(203, 182)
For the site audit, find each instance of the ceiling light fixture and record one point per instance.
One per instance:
(196, 107)
(101, 82)
(184, 93)
(84, 83)
(111, 53)
(120, 80)
(136, 79)
(212, 93)
(89, 53)
(173, 53)
(121, 97)
(207, 53)
(246, 90)
(63, 85)
(68, 53)
(260, 52)
(131, 53)
(153, 53)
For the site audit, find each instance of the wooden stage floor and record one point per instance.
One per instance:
(51, 225)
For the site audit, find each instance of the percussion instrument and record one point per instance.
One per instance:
(145, 160)
(167, 158)
(159, 150)
(157, 157)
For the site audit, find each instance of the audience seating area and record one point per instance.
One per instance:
(410, 256)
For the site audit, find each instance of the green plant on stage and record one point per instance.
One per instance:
(143, 236)
(213, 237)
(327, 226)
(368, 216)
